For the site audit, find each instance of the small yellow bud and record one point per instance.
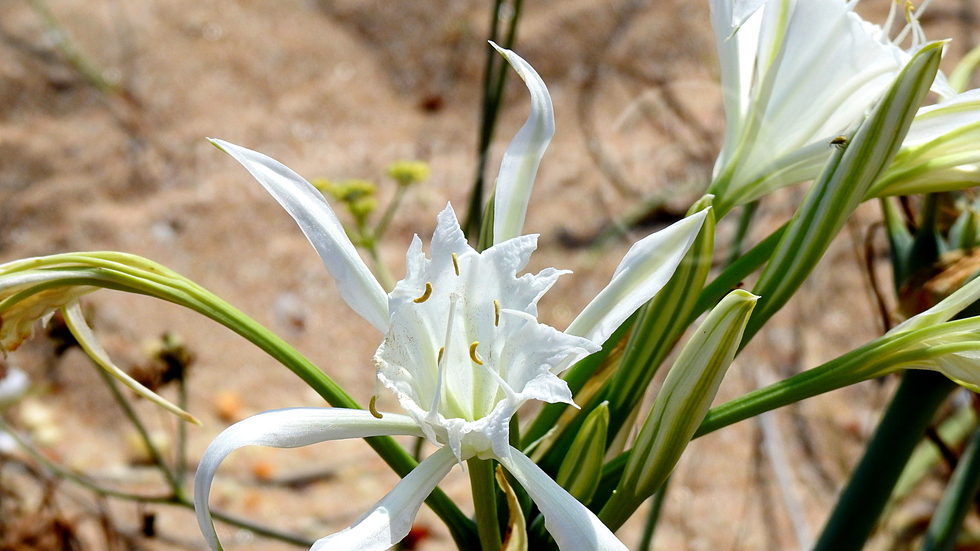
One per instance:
(407, 173)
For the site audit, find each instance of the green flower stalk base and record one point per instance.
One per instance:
(903, 426)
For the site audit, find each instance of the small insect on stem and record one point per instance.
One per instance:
(840, 142)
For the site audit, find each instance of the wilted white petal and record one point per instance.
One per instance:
(645, 269)
(288, 428)
(390, 520)
(357, 285)
(86, 338)
(573, 526)
(523, 155)
(18, 319)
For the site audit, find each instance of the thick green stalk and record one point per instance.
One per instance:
(905, 422)
(484, 489)
(957, 500)
(494, 77)
(650, 526)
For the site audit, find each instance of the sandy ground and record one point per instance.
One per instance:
(340, 89)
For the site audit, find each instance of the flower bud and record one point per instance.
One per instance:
(582, 468)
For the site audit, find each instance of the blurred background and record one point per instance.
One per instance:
(104, 110)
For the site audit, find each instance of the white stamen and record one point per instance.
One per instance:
(521, 314)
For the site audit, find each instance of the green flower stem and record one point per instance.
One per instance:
(494, 77)
(380, 270)
(957, 500)
(656, 504)
(174, 500)
(74, 56)
(135, 274)
(485, 502)
(744, 221)
(389, 213)
(181, 458)
(735, 273)
(151, 448)
(902, 427)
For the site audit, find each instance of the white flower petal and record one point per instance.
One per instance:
(935, 120)
(520, 163)
(573, 526)
(390, 520)
(357, 285)
(645, 269)
(288, 428)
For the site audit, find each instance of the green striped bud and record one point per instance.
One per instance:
(581, 469)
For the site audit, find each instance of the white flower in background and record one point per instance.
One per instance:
(939, 153)
(795, 75)
(14, 383)
(462, 348)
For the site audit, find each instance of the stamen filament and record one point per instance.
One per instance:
(425, 296)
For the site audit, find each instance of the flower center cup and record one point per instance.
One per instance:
(464, 347)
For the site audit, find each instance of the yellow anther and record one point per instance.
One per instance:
(426, 294)
(455, 264)
(373, 407)
(496, 312)
(473, 355)
(439, 359)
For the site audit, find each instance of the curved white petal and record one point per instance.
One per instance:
(390, 520)
(288, 428)
(573, 526)
(357, 285)
(645, 269)
(523, 155)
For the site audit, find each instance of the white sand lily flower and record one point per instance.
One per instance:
(795, 75)
(462, 348)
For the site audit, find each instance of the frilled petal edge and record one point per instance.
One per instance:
(390, 520)
(357, 285)
(573, 526)
(288, 428)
